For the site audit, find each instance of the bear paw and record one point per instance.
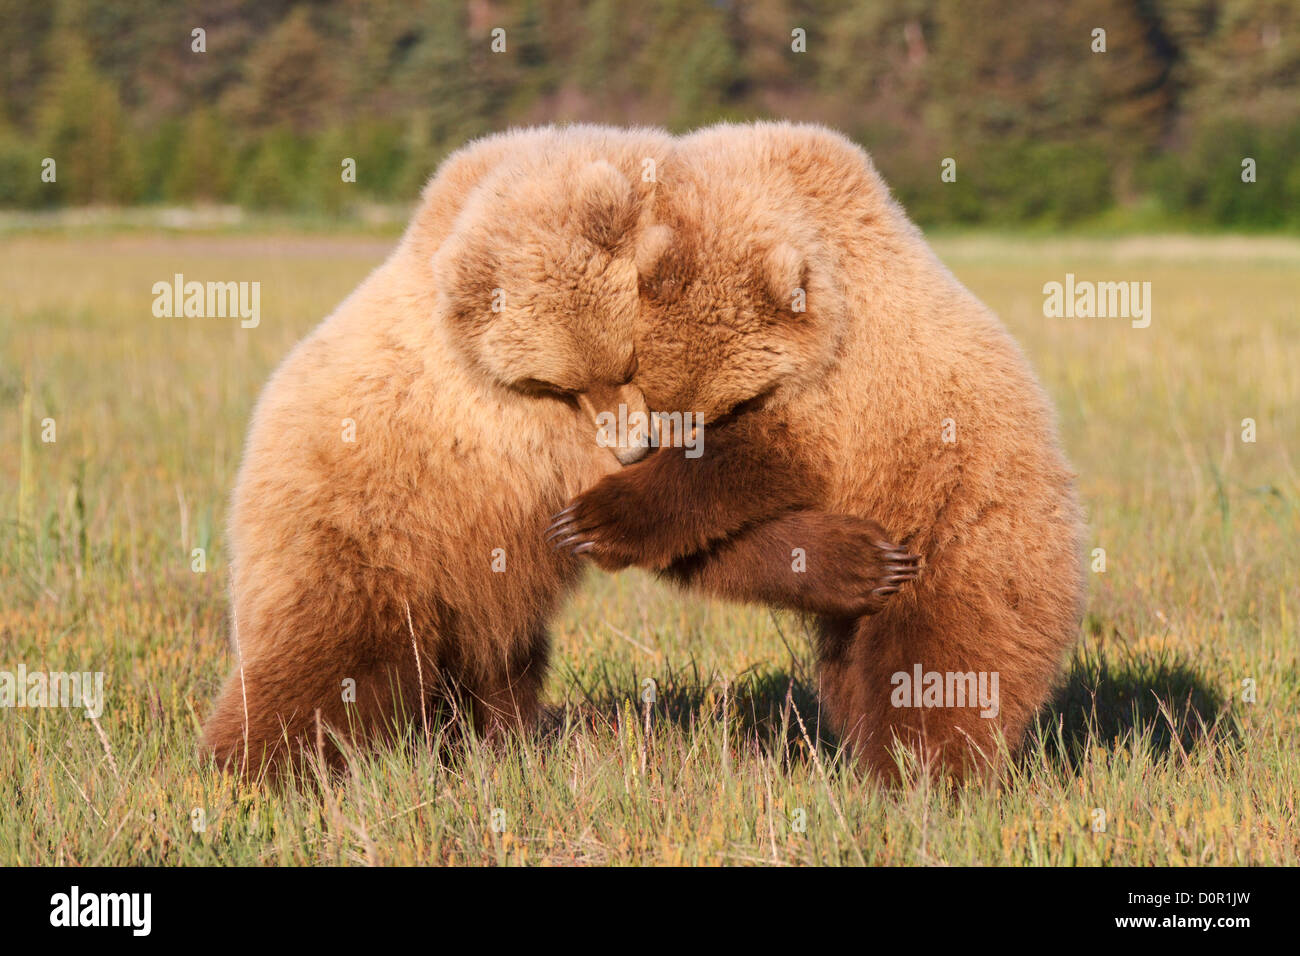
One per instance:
(606, 524)
(853, 569)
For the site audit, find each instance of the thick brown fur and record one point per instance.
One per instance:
(842, 410)
(372, 560)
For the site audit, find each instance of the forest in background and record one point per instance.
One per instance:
(1042, 129)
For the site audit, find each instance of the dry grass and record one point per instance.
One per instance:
(1200, 532)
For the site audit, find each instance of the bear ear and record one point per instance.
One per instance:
(463, 278)
(605, 202)
(650, 248)
(785, 271)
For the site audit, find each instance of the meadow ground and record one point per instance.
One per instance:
(1151, 753)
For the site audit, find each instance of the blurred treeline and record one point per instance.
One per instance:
(1042, 128)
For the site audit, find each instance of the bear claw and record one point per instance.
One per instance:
(556, 529)
(562, 542)
(558, 520)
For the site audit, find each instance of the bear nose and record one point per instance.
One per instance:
(621, 419)
(632, 454)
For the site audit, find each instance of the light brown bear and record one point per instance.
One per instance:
(846, 375)
(402, 461)
(387, 522)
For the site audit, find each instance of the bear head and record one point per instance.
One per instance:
(737, 304)
(538, 284)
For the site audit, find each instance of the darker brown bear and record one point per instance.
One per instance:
(846, 376)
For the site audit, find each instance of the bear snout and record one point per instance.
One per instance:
(622, 420)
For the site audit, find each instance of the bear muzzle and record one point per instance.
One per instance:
(621, 418)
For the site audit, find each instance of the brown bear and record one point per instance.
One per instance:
(845, 374)
(402, 461)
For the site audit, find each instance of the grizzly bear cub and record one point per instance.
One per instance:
(846, 375)
(387, 555)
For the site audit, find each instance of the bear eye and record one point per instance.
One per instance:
(535, 386)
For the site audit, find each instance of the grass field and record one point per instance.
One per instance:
(1151, 733)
